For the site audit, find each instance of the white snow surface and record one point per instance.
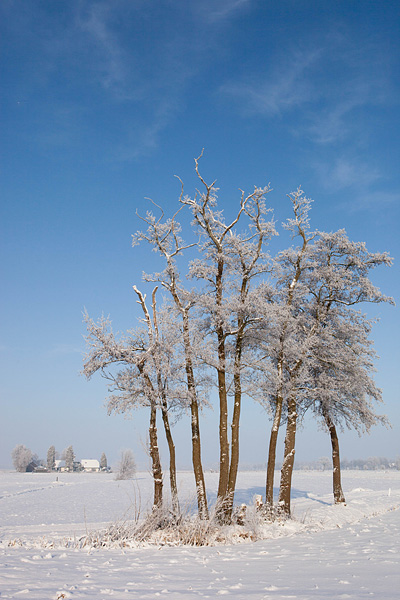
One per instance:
(346, 551)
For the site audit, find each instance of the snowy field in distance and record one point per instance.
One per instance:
(326, 551)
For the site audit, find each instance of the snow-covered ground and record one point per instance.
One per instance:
(325, 551)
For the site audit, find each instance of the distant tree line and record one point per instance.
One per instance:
(284, 330)
(373, 463)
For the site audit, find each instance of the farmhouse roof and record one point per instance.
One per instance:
(90, 463)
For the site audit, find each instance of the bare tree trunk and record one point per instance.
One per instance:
(290, 438)
(234, 462)
(338, 494)
(164, 405)
(156, 468)
(194, 410)
(172, 461)
(223, 420)
(194, 407)
(288, 461)
(269, 490)
(197, 464)
(161, 240)
(155, 458)
(223, 401)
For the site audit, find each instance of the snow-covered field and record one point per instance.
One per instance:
(325, 551)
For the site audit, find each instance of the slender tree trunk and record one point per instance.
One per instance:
(194, 410)
(234, 462)
(153, 442)
(197, 464)
(155, 458)
(338, 494)
(172, 460)
(223, 401)
(269, 490)
(287, 467)
(288, 461)
(162, 395)
(223, 420)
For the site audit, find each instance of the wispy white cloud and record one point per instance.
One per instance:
(223, 9)
(374, 200)
(125, 57)
(319, 91)
(153, 79)
(150, 81)
(141, 141)
(113, 67)
(363, 183)
(96, 49)
(347, 173)
(284, 90)
(337, 118)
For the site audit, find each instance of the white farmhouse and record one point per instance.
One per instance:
(90, 465)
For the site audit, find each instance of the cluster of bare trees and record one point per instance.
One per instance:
(284, 330)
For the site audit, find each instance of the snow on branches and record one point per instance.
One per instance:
(285, 330)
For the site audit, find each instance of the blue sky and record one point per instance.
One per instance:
(102, 104)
